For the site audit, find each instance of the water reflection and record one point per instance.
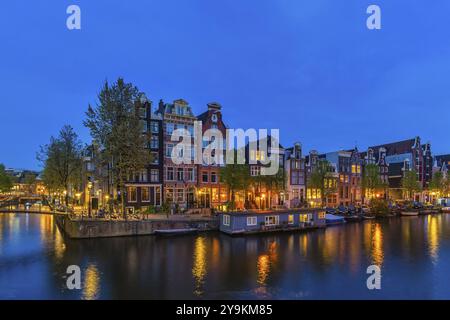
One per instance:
(377, 245)
(266, 262)
(59, 245)
(324, 264)
(433, 237)
(199, 268)
(46, 228)
(91, 288)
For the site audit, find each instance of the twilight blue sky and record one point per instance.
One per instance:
(310, 68)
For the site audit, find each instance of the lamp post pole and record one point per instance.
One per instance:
(89, 199)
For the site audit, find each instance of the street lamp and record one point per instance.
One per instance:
(89, 198)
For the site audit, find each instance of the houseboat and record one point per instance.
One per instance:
(235, 223)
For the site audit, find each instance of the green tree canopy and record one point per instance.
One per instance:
(371, 180)
(438, 183)
(237, 178)
(114, 124)
(320, 178)
(410, 183)
(62, 162)
(5, 180)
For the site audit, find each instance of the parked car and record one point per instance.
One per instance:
(330, 210)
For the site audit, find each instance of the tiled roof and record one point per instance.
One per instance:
(399, 147)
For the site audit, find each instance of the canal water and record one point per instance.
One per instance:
(413, 253)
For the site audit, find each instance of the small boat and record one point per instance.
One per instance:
(428, 211)
(368, 217)
(409, 213)
(352, 218)
(331, 219)
(173, 232)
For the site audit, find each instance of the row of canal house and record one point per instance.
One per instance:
(199, 186)
(344, 181)
(186, 185)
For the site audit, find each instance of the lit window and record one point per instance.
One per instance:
(180, 195)
(145, 194)
(303, 218)
(291, 219)
(169, 195)
(132, 194)
(272, 220)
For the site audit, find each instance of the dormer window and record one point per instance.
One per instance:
(179, 110)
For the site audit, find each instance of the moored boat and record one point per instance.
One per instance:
(172, 232)
(368, 217)
(409, 213)
(332, 219)
(353, 218)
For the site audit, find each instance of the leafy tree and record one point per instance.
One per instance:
(237, 178)
(320, 178)
(274, 183)
(114, 124)
(5, 180)
(62, 163)
(30, 180)
(410, 184)
(438, 183)
(371, 180)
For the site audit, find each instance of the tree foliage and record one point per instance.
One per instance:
(5, 180)
(320, 178)
(371, 180)
(62, 162)
(114, 125)
(237, 178)
(410, 183)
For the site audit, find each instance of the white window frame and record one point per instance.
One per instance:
(129, 195)
(267, 218)
(226, 220)
(154, 175)
(251, 221)
(142, 194)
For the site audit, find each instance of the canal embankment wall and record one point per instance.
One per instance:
(84, 229)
